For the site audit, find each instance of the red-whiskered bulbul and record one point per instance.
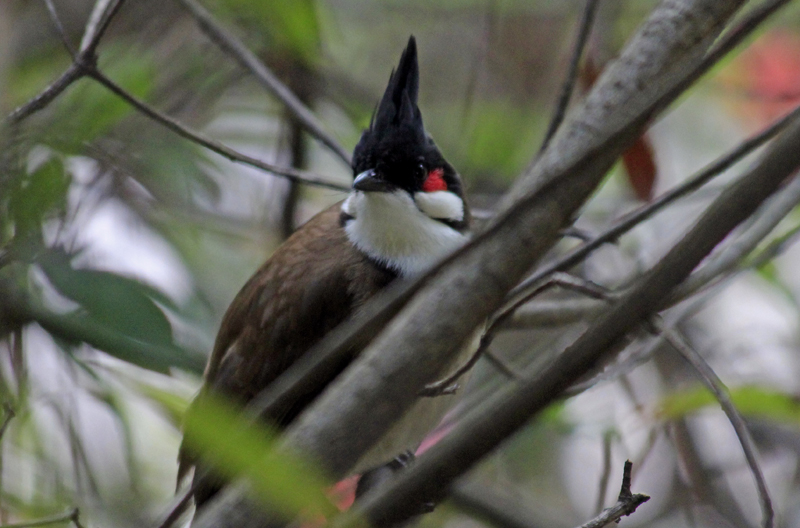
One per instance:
(406, 212)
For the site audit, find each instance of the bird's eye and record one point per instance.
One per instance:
(421, 172)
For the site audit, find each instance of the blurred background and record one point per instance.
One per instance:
(116, 227)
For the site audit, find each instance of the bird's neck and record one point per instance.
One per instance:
(390, 229)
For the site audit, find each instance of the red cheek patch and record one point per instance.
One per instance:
(435, 181)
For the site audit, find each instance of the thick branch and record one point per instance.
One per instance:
(511, 408)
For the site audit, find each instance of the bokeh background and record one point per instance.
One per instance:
(108, 218)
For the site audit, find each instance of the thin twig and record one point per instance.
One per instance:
(10, 414)
(71, 516)
(40, 101)
(720, 392)
(634, 218)
(743, 29)
(227, 152)
(562, 280)
(605, 474)
(584, 29)
(247, 59)
(499, 364)
(627, 502)
(179, 508)
(51, 8)
(100, 18)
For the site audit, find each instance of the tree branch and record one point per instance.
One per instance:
(102, 14)
(720, 392)
(72, 516)
(484, 428)
(51, 9)
(289, 173)
(646, 211)
(248, 60)
(584, 30)
(9, 415)
(626, 503)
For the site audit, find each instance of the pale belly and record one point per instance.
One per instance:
(408, 432)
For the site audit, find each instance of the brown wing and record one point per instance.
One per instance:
(310, 285)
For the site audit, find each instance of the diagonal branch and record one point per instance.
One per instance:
(584, 30)
(646, 211)
(720, 392)
(248, 60)
(72, 516)
(289, 173)
(102, 14)
(51, 9)
(484, 428)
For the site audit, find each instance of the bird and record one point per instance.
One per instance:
(406, 212)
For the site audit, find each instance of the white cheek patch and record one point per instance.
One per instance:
(440, 204)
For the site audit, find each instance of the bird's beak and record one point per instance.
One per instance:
(369, 181)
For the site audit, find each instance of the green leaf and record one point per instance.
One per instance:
(39, 195)
(236, 448)
(752, 401)
(115, 301)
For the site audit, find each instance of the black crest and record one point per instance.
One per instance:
(396, 128)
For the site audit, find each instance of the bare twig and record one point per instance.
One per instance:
(744, 27)
(51, 8)
(720, 392)
(500, 365)
(584, 30)
(562, 280)
(72, 516)
(178, 508)
(605, 474)
(227, 152)
(9, 415)
(644, 212)
(627, 502)
(72, 74)
(247, 59)
(100, 18)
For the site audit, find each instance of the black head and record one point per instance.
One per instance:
(395, 152)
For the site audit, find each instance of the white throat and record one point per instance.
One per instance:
(390, 228)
